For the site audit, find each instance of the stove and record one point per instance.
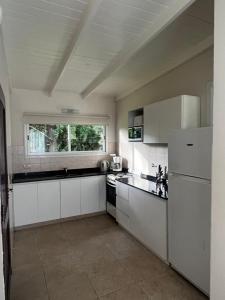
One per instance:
(111, 178)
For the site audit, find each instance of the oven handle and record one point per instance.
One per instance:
(111, 185)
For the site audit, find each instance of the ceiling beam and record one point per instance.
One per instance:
(85, 21)
(128, 53)
(172, 64)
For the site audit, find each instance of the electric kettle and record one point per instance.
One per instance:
(104, 165)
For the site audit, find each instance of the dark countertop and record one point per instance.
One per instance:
(146, 185)
(57, 175)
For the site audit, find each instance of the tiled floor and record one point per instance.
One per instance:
(91, 259)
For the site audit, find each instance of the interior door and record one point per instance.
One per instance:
(4, 201)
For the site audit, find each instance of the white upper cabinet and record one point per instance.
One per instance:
(160, 118)
(151, 123)
(70, 197)
(48, 200)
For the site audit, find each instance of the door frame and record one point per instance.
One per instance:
(8, 283)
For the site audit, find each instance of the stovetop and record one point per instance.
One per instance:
(111, 178)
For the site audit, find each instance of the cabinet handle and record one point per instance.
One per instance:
(190, 145)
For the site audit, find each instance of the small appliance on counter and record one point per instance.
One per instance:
(104, 165)
(116, 163)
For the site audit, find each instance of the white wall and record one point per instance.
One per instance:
(218, 165)
(5, 86)
(38, 102)
(190, 78)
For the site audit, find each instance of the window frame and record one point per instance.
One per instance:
(65, 153)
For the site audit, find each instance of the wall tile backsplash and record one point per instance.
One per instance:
(140, 157)
(23, 163)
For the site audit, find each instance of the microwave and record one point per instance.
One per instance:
(135, 134)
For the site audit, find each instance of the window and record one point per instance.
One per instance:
(65, 138)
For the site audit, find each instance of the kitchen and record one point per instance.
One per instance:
(106, 158)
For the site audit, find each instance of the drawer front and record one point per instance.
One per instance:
(122, 219)
(123, 205)
(122, 190)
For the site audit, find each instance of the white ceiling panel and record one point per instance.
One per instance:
(115, 26)
(38, 35)
(176, 40)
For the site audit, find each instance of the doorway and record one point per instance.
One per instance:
(4, 199)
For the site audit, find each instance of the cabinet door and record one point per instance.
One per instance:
(169, 117)
(70, 197)
(123, 205)
(89, 194)
(102, 193)
(151, 123)
(122, 190)
(48, 200)
(122, 219)
(148, 221)
(25, 203)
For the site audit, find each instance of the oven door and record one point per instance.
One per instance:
(111, 193)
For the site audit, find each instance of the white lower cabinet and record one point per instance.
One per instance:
(148, 215)
(145, 216)
(102, 193)
(122, 205)
(123, 219)
(25, 204)
(48, 200)
(70, 197)
(92, 198)
(54, 199)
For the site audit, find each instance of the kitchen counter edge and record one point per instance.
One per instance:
(58, 175)
(121, 180)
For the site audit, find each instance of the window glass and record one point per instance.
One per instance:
(53, 138)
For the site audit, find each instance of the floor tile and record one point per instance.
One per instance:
(59, 268)
(91, 259)
(33, 287)
(131, 292)
(102, 222)
(122, 245)
(98, 267)
(76, 286)
(22, 257)
(144, 265)
(24, 239)
(89, 252)
(170, 286)
(75, 230)
(111, 280)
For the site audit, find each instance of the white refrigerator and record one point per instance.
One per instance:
(189, 204)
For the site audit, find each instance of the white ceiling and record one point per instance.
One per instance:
(38, 36)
